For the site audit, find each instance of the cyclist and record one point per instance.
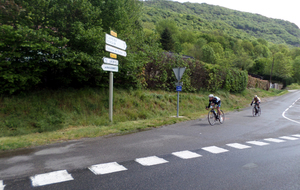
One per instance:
(216, 101)
(256, 101)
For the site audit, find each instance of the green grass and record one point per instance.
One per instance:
(50, 116)
(294, 86)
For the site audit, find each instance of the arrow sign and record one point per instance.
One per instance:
(179, 72)
(112, 68)
(110, 40)
(115, 50)
(110, 61)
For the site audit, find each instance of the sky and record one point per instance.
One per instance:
(281, 9)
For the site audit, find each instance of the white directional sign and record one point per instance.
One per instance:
(112, 68)
(115, 50)
(110, 61)
(110, 40)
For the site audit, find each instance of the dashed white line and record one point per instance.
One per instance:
(274, 140)
(238, 146)
(150, 161)
(297, 135)
(186, 154)
(258, 143)
(2, 185)
(107, 168)
(289, 138)
(51, 178)
(215, 149)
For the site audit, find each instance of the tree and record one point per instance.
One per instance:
(296, 69)
(64, 40)
(208, 54)
(166, 40)
(243, 61)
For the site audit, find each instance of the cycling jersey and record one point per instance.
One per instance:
(216, 100)
(256, 100)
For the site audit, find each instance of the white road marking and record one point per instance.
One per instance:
(258, 143)
(1, 185)
(238, 146)
(289, 138)
(107, 168)
(214, 149)
(50, 178)
(186, 154)
(274, 140)
(150, 161)
(283, 114)
(297, 135)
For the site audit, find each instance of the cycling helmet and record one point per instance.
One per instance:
(211, 96)
(255, 96)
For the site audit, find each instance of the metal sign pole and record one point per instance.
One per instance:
(178, 95)
(111, 82)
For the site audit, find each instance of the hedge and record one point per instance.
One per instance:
(198, 75)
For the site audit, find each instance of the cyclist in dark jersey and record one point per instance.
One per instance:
(215, 101)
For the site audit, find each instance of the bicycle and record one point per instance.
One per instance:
(256, 111)
(213, 116)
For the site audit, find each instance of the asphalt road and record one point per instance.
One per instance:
(242, 165)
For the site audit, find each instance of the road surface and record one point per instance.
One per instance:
(244, 153)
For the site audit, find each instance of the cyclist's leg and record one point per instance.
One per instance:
(258, 105)
(218, 108)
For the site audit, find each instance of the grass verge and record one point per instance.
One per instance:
(48, 117)
(294, 86)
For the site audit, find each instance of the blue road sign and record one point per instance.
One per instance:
(178, 88)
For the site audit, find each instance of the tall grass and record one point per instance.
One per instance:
(47, 110)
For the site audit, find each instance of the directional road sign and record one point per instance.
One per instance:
(179, 72)
(110, 40)
(115, 50)
(110, 61)
(112, 68)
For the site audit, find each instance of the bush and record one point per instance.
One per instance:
(197, 76)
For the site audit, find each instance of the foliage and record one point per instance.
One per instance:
(198, 75)
(61, 43)
(29, 55)
(228, 38)
(166, 40)
(205, 17)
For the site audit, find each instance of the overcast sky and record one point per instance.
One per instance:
(282, 9)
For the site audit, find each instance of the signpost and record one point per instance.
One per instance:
(114, 46)
(178, 73)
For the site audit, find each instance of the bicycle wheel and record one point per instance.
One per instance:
(254, 111)
(222, 117)
(211, 118)
(258, 112)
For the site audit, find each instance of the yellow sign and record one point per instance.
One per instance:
(113, 33)
(112, 55)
